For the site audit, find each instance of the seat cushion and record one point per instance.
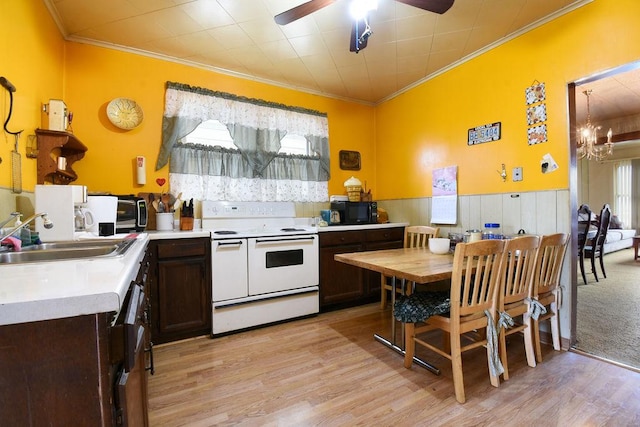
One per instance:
(419, 306)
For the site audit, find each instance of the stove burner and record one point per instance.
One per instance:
(225, 232)
(288, 229)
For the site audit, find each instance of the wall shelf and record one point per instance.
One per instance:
(70, 147)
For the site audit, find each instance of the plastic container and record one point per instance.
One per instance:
(491, 231)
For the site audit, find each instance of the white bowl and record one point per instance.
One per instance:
(439, 245)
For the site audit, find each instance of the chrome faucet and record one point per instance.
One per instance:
(12, 215)
(47, 224)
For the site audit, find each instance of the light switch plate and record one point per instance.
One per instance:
(517, 174)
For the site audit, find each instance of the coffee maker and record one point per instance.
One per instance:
(61, 203)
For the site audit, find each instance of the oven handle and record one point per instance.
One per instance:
(239, 242)
(286, 239)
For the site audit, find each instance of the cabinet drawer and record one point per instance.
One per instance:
(385, 234)
(341, 238)
(182, 248)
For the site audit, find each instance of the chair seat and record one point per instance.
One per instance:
(419, 306)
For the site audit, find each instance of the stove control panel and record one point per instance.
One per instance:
(218, 210)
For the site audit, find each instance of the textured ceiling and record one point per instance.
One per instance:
(240, 37)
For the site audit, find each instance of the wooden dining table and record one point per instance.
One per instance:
(417, 265)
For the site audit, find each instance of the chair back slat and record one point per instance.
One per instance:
(520, 259)
(549, 262)
(603, 227)
(417, 236)
(476, 277)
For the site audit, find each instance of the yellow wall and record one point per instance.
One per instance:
(42, 66)
(401, 141)
(32, 59)
(426, 127)
(97, 75)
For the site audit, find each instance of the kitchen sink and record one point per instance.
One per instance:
(76, 249)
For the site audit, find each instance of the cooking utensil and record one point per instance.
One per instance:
(165, 201)
(176, 202)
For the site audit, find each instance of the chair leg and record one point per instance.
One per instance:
(536, 340)
(555, 327)
(495, 379)
(593, 267)
(584, 276)
(528, 341)
(456, 368)
(409, 344)
(503, 353)
(604, 273)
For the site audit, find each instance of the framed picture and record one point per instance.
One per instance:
(536, 114)
(535, 93)
(537, 134)
(349, 160)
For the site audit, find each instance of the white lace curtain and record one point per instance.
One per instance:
(255, 171)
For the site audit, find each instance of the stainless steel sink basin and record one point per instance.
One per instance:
(57, 251)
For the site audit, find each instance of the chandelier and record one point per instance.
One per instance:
(588, 139)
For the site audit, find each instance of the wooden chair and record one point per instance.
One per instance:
(416, 236)
(519, 261)
(594, 248)
(546, 286)
(584, 225)
(475, 284)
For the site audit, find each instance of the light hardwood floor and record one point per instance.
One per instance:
(328, 370)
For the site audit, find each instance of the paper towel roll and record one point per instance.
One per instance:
(141, 170)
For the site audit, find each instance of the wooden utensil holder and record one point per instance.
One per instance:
(186, 223)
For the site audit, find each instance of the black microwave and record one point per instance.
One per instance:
(131, 215)
(356, 212)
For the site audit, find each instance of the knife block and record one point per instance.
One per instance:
(186, 223)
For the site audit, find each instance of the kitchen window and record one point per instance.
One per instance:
(247, 150)
(213, 133)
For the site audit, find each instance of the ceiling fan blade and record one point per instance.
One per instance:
(435, 6)
(301, 11)
(357, 41)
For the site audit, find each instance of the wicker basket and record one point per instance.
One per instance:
(353, 191)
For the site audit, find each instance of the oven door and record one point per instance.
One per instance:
(229, 269)
(282, 263)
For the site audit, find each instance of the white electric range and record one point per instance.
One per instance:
(264, 264)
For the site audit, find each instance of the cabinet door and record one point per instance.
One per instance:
(131, 390)
(180, 289)
(183, 303)
(339, 282)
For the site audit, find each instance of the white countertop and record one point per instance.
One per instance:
(178, 234)
(56, 289)
(37, 291)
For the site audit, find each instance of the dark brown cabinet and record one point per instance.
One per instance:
(343, 285)
(180, 288)
(69, 371)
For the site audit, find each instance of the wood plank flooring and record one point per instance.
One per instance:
(328, 370)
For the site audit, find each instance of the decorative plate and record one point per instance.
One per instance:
(124, 113)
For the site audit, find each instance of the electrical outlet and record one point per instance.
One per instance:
(517, 174)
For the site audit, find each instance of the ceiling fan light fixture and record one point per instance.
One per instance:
(360, 8)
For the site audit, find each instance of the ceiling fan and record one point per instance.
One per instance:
(361, 31)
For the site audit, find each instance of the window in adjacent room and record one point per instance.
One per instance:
(622, 190)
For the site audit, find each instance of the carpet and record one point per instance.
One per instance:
(608, 312)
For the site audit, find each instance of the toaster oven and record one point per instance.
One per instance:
(131, 214)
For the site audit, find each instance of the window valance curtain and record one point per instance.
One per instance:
(256, 127)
